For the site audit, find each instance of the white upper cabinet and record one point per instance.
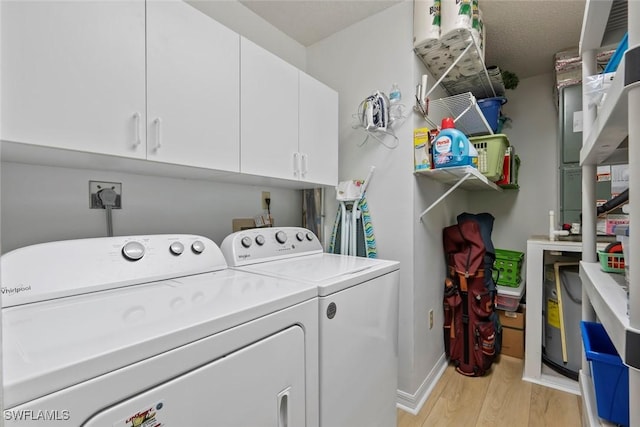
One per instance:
(289, 120)
(73, 75)
(161, 81)
(193, 88)
(269, 111)
(318, 131)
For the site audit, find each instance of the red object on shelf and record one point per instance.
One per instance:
(506, 170)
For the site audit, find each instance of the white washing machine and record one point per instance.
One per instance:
(153, 331)
(358, 319)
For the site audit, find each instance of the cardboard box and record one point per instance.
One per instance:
(513, 329)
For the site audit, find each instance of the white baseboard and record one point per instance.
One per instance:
(412, 403)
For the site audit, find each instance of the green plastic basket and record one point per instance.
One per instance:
(611, 262)
(507, 267)
(491, 150)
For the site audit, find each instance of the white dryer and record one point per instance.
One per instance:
(153, 331)
(358, 319)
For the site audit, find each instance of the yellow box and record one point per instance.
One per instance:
(421, 144)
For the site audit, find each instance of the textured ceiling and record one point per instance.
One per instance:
(522, 35)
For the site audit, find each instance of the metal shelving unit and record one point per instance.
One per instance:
(458, 66)
(466, 177)
(604, 135)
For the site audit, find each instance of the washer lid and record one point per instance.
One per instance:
(330, 272)
(53, 344)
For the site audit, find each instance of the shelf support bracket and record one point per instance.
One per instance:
(449, 191)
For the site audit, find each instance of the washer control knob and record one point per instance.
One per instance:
(197, 247)
(310, 236)
(281, 237)
(300, 236)
(176, 248)
(246, 241)
(133, 250)
(260, 239)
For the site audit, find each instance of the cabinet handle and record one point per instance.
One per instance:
(305, 164)
(136, 124)
(283, 408)
(296, 164)
(158, 124)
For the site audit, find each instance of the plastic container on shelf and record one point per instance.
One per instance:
(610, 375)
(611, 262)
(491, 150)
(508, 298)
(612, 65)
(452, 147)
(490, 108)
(507, 267)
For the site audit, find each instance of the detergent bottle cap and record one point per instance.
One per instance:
(447, 123)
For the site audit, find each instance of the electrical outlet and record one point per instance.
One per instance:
(265, 195)
(431, 319)
(94, 189)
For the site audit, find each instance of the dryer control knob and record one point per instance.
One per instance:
(133, 251)
(176, 248)
(246, 241)
(310, 236)
(281, 237)
(299, 236)
(260, 239)
(197, 247)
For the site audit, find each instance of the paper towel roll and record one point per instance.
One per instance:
(470, 69)
(435, 56)
(452, 76)
(426, 22)
(455, 16)
(456, 49)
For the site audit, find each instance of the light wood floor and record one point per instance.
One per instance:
(498, 399)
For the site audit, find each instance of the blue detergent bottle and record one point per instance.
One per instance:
(452, 147)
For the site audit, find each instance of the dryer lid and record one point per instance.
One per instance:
(72, 267)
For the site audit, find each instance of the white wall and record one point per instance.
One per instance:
(534, 133)
(370, 55)
(42, 203)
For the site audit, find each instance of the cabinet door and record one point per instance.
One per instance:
(73, 75)
(193, 88)
(318, 129)
(269, 111)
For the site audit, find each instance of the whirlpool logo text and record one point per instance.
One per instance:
(15, 290)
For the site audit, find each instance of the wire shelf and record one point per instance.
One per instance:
(465, 112)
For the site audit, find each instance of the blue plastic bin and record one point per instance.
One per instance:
(610, 375)
(615, 59)
(490, 108)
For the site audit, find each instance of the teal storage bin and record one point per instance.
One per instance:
(610, 375)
